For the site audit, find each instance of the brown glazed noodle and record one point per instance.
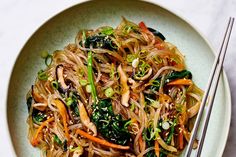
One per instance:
(114, 92)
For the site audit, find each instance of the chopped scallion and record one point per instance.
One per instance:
(132, 107)
(83, 36)
(42, 75)
(88, 88)
(48, 60)
(107, 31)
(130, 58)
(54, 85)
(109, 92)
(44, 54)
(90, 77)
(69, 101)
(112, 73)
(83, 82)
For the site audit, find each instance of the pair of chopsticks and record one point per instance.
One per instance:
(211, 87)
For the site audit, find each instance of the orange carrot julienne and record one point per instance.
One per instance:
(35, 140)
(181, 138)
(140, 141)
(181, 82)
(157, 149)
(61, 107)
(100, 141)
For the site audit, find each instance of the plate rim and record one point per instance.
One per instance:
(225, 81)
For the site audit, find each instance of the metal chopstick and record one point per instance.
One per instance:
(210, 105)
(204, 100)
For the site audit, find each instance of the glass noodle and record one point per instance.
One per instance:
(121, 91)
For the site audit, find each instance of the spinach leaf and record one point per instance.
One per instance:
(57, 140)
(75, 109)
(29, 102)
(149, 141)
(65, 146)
(179, 74)
(111, 126)
(171, 133)
(172, 76)
(71, 102)
(38, 116)
(157, 33)
(100, 41)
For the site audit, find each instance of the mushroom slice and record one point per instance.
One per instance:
(124, 87)
(60, 77)
(85, 119)
(37, 97)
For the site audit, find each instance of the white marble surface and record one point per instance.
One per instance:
(20, 18)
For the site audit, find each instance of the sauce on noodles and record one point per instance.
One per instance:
(114, 92)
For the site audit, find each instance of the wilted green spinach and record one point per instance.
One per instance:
(111, 126)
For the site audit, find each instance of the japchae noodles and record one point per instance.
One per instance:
(114, 92)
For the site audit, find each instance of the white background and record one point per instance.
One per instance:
(20, 18)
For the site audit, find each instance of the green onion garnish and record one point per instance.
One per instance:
(44, 54)
(88, 88)
(107, 31)
(83, 82)
(54, 85)
(48, 60)
(109, 92)
(42, 75)
(69, 101)
(90, 77)
(130, 58)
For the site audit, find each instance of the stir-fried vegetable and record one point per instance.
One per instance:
(101, 141)
(171, 77)
(71, 102)
(54, 85)
(44, 54)
(90, 76)
(63, 113)
(171, 133)
(107, 31)
(181, 82)
(85, 119)
(111, 126)
(35, 140)
(42, 75)
(109, 92)
(38, 116)
(57, 140)
(29, 102)
(100, 41)
(48, 60)
(157, 33)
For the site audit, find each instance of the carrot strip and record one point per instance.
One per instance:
(181, 82)
(157, 149)
(61, 107)
(100, 141)
(35, 141)
(140, 141)
(181, 140)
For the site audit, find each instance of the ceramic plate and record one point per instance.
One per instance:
(61, 30)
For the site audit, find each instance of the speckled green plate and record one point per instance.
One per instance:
(61, 30)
